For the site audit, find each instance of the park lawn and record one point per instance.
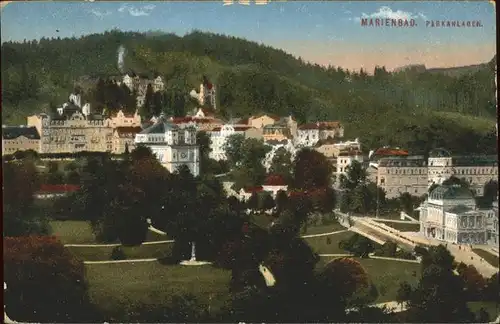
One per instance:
(320, 229)
(117, 288)
(490, 258)
(491, 307)
(80, 232)
(73, 232)
(386, 275)
(319, 244)
(103, 253)
(403, 227)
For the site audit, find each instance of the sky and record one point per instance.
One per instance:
(322, 32)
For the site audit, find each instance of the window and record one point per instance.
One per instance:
(382, 181)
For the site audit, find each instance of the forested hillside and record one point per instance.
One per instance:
(409, 108)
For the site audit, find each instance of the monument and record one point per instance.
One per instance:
(193, 261)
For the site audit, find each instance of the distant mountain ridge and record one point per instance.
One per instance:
(455, 71)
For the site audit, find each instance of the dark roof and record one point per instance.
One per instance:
(403, 161)
(160, 127)
(12, 132)
(439, 152)
(478, 160)
(450, 193)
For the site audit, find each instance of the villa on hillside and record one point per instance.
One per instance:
(309, 134)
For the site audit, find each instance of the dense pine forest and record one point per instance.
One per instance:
(413, 108)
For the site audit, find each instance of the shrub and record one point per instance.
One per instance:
(45, 282)
(118, 254)
(347, 278)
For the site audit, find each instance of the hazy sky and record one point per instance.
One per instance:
(321, 32)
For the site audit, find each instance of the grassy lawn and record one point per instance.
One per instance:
(491, 307)
(73, 232)
(134, 252)
(490, 258)
(403, 227)
(117, 288)
(319, 229)
(319, 244)
(386, 275)
(80, 232)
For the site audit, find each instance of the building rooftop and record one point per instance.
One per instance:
(385, 151)
(439, 152)
(475, 160)
(13, 132)
(274, 180)
(159, 127)
(403, 161)
(450, 193)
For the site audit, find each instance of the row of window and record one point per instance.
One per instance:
(21, 142)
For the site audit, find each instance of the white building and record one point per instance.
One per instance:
(173, 145)
(309, 134)
(345, 158)
(492, 226)
(476, 170)
(450, 214)
(220, 134)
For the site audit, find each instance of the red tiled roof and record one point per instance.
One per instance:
(253, 189)
(59, 188)
(275, 180)
(390, 152)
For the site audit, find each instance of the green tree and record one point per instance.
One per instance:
(311, 170)
(344, 276)
(439, 288)
(406, 203)
(357, 245)
(148, 109)
(45, 281)
(20, 217)
(233, 148)
(253, 201)
(404, 292)
(267, 201)
(281, 164)
(281, 200)
(355, 176)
